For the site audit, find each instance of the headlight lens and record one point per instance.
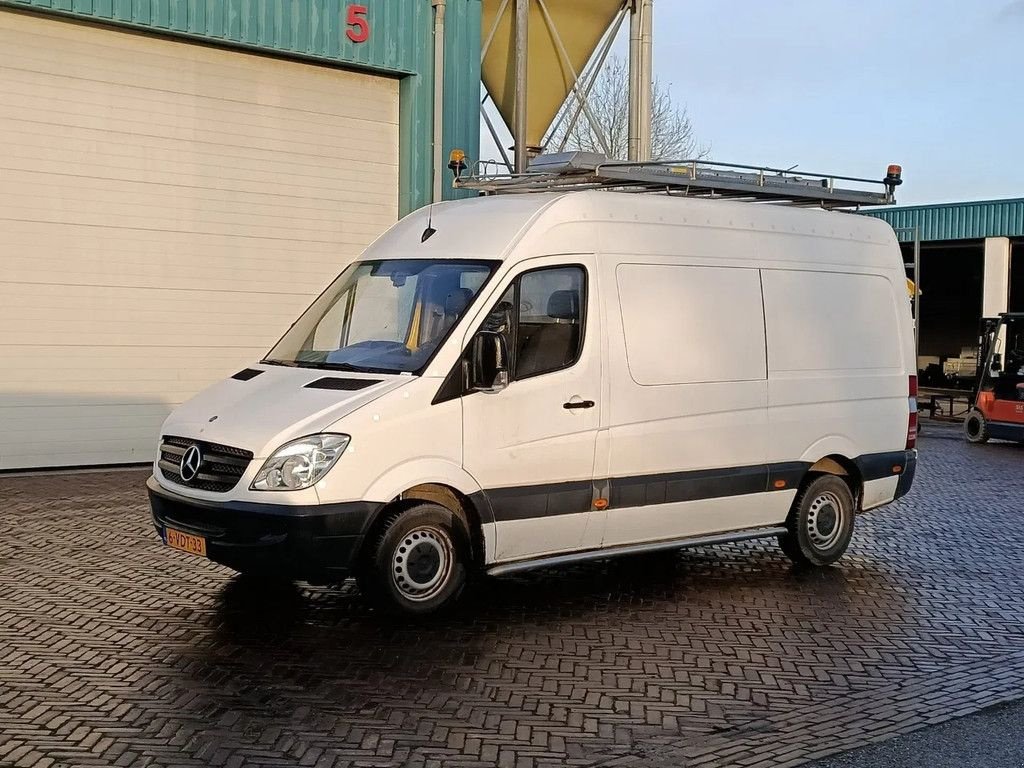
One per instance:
(300, 463)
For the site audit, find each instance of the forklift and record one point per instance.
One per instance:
(998, 397)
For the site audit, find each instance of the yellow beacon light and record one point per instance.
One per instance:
(457, 162)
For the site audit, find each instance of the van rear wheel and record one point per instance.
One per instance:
(820, 523)
(418, 562)
(975, 427)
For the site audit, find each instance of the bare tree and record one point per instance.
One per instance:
(671, 130)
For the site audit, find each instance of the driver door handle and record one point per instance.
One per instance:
(573, 404)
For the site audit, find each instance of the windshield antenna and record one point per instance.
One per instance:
(429, 230)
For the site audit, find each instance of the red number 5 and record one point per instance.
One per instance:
(359, 31)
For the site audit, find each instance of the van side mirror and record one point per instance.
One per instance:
(488, 362)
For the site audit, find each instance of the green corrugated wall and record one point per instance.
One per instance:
(462, 93)
(957, 221)
(400, 44)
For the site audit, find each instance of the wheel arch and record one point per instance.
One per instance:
(441, 483)
(840, 465)
(393, 482)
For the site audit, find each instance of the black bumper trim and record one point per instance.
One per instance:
(907, 477)
(876, 466)
(310, 542)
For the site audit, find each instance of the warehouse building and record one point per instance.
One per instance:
(178, 178)
(971, 266)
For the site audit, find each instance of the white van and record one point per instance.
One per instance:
(528, 380)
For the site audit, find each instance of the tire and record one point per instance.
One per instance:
(820, 523)
(418, 562)
(975, 427)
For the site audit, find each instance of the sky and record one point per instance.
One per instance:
(849, 86)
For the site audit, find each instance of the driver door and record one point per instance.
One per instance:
(531, 445)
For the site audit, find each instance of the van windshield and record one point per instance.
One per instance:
(386, 316)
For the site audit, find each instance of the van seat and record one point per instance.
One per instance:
(550, 343)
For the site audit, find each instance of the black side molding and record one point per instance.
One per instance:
(247, 373)
(875, 466)
(907, 478)
(346, 385)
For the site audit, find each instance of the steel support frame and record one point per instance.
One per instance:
(484, 47)
(583, 83)
(581, 90)
(575, 90)
(640, 86)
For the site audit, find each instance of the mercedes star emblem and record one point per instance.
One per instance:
(190, 462)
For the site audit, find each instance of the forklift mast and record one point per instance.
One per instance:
(990, 359)
(997, 410)
(988, 335)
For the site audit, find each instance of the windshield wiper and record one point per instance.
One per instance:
(321, 366)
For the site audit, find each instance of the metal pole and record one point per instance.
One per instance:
(438, 129)
(917, 296)
(646, 80)
(902, 233)
(633, 142)
(522, 42)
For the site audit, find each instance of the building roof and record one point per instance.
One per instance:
(956, 221)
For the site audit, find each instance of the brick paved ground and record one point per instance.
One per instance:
(117, 652)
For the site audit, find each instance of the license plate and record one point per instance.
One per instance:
(186, 542)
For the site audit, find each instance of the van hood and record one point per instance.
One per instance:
(276, 405)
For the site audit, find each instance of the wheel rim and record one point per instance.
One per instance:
(973, 426)
(422, 563)
(825, 520)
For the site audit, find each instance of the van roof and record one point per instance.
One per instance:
(488, 226)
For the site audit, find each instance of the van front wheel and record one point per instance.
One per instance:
(418, 561)
(820, 524)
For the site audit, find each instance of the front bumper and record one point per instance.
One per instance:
(316, 543)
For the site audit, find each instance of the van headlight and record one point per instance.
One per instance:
(300, 463)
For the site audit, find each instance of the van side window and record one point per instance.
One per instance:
(549, 332)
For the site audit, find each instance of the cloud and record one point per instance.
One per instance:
(1013, 10)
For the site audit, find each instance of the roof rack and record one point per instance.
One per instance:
(573, 171)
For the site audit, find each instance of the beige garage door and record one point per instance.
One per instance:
(166, 210)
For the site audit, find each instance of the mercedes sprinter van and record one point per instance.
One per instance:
(528, 380)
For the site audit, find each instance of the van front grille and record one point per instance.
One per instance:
(220, 466)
